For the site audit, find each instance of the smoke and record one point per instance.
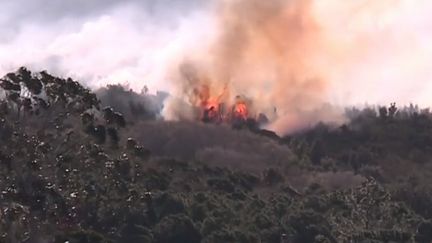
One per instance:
(98, 42)
(289, 58)
(133, 106)
(377, 51)
(266, 51)
(292, 58)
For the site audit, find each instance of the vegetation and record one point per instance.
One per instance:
(70, 171)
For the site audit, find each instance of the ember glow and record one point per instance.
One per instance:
(240, 110)
(219, 109)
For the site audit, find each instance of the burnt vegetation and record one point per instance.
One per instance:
(78, 168)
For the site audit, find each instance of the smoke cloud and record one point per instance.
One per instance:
(297, 56)
(267, 52)
(288, 58)
(98, 42)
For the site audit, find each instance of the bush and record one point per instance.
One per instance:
(176, 229)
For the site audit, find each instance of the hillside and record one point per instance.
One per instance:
(83, 166)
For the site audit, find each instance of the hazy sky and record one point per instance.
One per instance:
(96, 41)
(18, 13)
(373, 51)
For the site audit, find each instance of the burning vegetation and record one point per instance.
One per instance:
(215, 110)
(218, 104)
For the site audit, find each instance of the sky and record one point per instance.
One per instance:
(366, 51)
(96, 41)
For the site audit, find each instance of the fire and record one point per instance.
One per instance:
(213, 110)
(215, 104)
(240, 110)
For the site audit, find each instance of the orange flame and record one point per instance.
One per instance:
(211, 111)
(240, 110)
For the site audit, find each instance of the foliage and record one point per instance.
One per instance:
(64, 176)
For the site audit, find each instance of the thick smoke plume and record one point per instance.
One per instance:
(286, 59)
(290, 58)
(266, 52)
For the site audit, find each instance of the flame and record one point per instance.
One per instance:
(212, 97)
(263, 54)
(213, 109)
(240, 110)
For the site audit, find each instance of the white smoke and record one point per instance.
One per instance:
(371, 51)
(125, 43)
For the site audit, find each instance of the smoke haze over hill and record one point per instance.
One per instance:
(293, 55)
